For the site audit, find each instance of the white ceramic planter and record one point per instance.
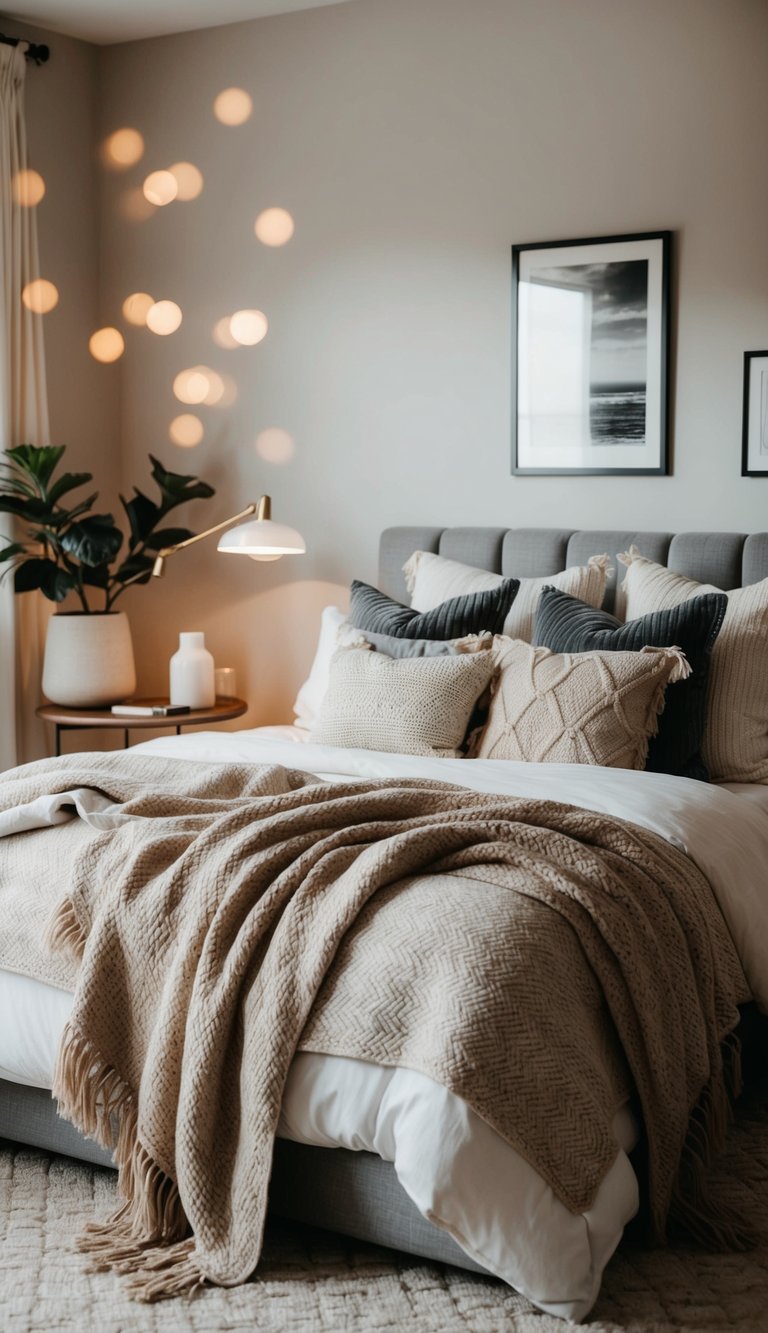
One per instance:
(88, 659)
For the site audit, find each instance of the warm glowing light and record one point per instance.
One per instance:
(163, 317)
(136, 307)
(274, 226)
(222, 334)
(191, 386)
(189, 180)
(186, 431)
(233, 106)
(200, 384)
(123, 148)
(160, 188)
(40, 296)
(27, 187)
(216, 386)
(248, 327)
(275, 445)
(106, 344)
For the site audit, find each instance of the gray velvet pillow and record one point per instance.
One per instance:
(372, 611)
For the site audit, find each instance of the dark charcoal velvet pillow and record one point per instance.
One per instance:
(567, 625)
(372, 610)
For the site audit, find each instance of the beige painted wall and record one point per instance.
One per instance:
(414, 141)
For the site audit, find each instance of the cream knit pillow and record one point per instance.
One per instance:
(432, 579)
(735, 747)
(576, 708)
(406, 705)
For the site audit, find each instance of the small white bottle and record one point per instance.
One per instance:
(192, 677)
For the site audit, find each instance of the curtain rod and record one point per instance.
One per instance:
(35, 50)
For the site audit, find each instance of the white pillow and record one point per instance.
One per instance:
(735, 747)
(313, 691)
(432, 579)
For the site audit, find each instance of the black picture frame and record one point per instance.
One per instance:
(618, 427)
(754, 419)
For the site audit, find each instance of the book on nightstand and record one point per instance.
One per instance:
(149, 710)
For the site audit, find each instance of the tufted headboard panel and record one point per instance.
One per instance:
(725, 559)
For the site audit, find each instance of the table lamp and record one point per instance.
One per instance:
(261, 538)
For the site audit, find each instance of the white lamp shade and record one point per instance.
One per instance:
(262, 539)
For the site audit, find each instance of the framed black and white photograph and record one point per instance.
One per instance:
(590, 353)
(754, 436)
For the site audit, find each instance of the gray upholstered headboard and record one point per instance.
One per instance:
(726, 559)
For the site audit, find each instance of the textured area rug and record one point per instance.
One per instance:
(313, 1282)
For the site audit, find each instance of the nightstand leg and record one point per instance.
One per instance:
(125, 739)
(58, 741)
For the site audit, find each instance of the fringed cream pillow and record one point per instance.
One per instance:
(432, 579)
(735, 747)
(576, 708)
(408, 705)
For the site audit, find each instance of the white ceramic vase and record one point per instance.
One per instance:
(192, 678)
(88, 659)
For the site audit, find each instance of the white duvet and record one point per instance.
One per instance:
(457, 1171)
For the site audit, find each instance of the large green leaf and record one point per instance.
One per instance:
(15, 482)
(94, 540)
(8, 552)
(168, 537)
(38, 462)
(133, 566)
(177, 487)
(68, 481)
(31, 510)
(61, 516)
(45, 575)
(142, 513)
(95, 576)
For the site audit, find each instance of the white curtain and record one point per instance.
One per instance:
(23, 416)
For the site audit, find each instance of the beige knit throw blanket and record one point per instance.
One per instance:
(540, 961)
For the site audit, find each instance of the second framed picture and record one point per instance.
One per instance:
(754, 450)
(590, 352)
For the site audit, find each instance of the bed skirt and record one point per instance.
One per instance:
(354, 1193)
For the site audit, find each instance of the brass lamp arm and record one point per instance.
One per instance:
(162, 555)
(190, 541)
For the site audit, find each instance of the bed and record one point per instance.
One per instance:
(377, 1186)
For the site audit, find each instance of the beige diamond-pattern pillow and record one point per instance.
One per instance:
(576, 708)
(735, 747)
(405, 705)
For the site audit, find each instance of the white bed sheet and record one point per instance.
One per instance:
(458, 1172)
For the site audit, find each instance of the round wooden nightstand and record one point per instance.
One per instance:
(74, 719)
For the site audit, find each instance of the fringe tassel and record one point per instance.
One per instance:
(154, 1273)
(709, 1223)
(148, 1236)
(64, 933)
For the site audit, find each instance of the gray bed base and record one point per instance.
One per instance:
(357, 1194)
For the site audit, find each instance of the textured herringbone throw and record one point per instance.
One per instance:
(511, 949)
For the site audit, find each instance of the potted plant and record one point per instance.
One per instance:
(79, 552)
